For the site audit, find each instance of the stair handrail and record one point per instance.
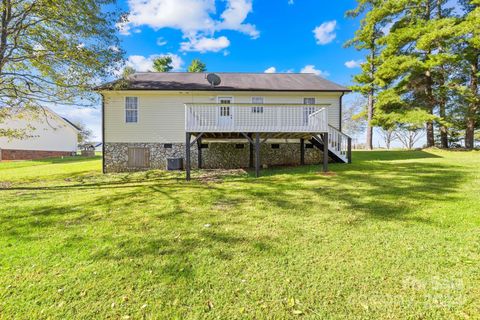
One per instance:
(315, 115)
(348, 150)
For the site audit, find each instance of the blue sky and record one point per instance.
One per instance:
(239, 36)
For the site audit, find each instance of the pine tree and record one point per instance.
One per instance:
(415, 58)
(469, 32)
(366, 38)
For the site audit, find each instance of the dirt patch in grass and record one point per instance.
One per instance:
(5, 185)
(328, 174)
(217, 175)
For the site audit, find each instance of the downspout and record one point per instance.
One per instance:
(340, 115)
(103, 133)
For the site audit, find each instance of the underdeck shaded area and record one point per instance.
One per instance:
(258, 123)
(255, 140)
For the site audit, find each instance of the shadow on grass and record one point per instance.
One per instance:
(391, 155)
(378, 189)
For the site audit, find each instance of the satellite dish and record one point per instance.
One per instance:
(213, 79)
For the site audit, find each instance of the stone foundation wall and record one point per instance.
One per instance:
(116, 155)
(9, 154)
(216, 156)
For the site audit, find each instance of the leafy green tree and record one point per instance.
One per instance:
(53, 51)
(163, 64)
(128, 71)
(197, 66)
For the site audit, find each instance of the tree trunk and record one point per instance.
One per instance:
(442, 110)
(429, 87)
(430, 101)
(4, 27)
(443, 129)
(442, 100)
(371, 97)
(369, 144)
(473, 106)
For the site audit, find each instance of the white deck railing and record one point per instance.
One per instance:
(255, 118)
(338, 143)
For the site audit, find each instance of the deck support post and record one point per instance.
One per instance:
(325, 151)
(302, 151)
(257, 154)
(188, 135)
(349, 150)
(250, 148)
(199, 147)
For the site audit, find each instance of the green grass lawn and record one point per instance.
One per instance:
(393, 235)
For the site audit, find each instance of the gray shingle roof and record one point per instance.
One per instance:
(230, 82)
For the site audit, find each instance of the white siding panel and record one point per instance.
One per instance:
(45, 133)
(161, 115)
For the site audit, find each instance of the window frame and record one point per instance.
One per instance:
(308, 104)
(225, 97)
(257, 109)
(137, 110)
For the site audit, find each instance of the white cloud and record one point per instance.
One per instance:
(271, 70)
(353, 64)
(114, 48)
(192, 17)
(311, 69)
(325, 33)
(291, 2)
(205, 44)
(144, 64)
(234, 16)
(186, 15)
(161, 41)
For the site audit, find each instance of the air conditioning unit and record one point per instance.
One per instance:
(175, 164)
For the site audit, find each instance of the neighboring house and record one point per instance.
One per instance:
(46, 135)
(246, 120)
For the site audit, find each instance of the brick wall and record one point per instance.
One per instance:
(8, 154)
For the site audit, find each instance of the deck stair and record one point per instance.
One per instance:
(339, 145)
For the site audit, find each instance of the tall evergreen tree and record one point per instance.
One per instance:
(414, 57)
(366, 39)
(469, 32)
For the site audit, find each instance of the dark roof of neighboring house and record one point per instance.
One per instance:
(230, 82)
(72, 124)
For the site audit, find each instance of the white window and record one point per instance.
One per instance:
(131, 109)
(257, 100)
(308, 100)
(225, 111)
(224, 100)
(308, 110)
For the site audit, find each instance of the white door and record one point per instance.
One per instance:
(225, 115)
(308, 110)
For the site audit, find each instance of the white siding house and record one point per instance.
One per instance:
(46, 135)
(149, 117)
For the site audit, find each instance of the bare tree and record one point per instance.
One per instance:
(409, 135)
(388, 135)
(353, 121)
